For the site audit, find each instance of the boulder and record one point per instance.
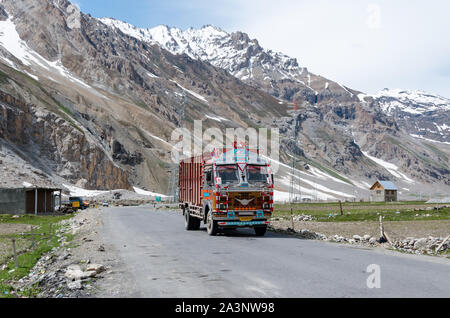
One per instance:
(75, 273)
(97, 268)
(373, 240)
(420, 244)
(75, 285)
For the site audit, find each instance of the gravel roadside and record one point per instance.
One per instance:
(398, 230)
(84, 267)
(414, 237)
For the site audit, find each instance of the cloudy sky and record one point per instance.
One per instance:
(366, 45)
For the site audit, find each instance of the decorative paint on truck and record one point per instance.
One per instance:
(226, 189)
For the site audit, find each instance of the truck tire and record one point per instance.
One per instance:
(191, 223)
(260, 231)
(211, 225)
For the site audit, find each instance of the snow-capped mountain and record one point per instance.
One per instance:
(234, 52)
(422, 114)
(276, 73)
(414, 102)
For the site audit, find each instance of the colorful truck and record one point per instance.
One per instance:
(226, 189)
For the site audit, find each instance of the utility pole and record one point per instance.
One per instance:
(292, 188)
(173, 186)
(293, 183)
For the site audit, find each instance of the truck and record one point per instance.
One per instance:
(226, 189)
(77, 203)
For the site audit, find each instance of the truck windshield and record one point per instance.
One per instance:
(228, 174)
(257, 174)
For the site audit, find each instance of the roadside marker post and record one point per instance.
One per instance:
(292, 220)
(32, 237)
(442, 244)
(15, 252)
(381, 227)
(382, 234)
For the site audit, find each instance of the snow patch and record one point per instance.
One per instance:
(431, 140)
(280, 196)
(322, 188)
(361, 97)
(149, 193)
(32, 76)
(393, 169)
(11, 41)
(196, 95)
(79, 192)
(152, 75)
(306, 192)
(218, 118)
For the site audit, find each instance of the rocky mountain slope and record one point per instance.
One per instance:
(422, 114)
(274, 72)
(120, 91)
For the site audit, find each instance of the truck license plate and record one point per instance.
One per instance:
(247, 219)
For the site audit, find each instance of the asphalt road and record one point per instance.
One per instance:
(164, 260)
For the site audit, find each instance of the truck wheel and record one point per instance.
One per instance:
(211, 225)
(196, 224)
(191, 223)
(260, 231)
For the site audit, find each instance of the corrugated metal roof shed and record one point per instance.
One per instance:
(388, 185)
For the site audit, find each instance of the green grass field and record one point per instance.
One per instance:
(363, 211)
(27, 257)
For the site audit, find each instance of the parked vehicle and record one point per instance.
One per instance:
(227, 189)
(77, 203)
(66, 207)
(105, 204)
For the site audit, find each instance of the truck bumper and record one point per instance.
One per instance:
(242, 224)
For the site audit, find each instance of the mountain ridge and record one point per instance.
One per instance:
(126, 95)
(235, 52)
(421, 114)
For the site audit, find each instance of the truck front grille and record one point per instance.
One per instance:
(245, 201)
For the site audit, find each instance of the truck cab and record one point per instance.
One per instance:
(235, 188)
(77, 203)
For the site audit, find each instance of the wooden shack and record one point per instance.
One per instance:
(384, 191)
(28, 200)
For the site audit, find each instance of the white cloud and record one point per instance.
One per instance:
(364, 44)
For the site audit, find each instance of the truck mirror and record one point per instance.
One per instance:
(273, 180)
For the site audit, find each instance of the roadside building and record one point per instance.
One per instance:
(384, 191)
(28, 200)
